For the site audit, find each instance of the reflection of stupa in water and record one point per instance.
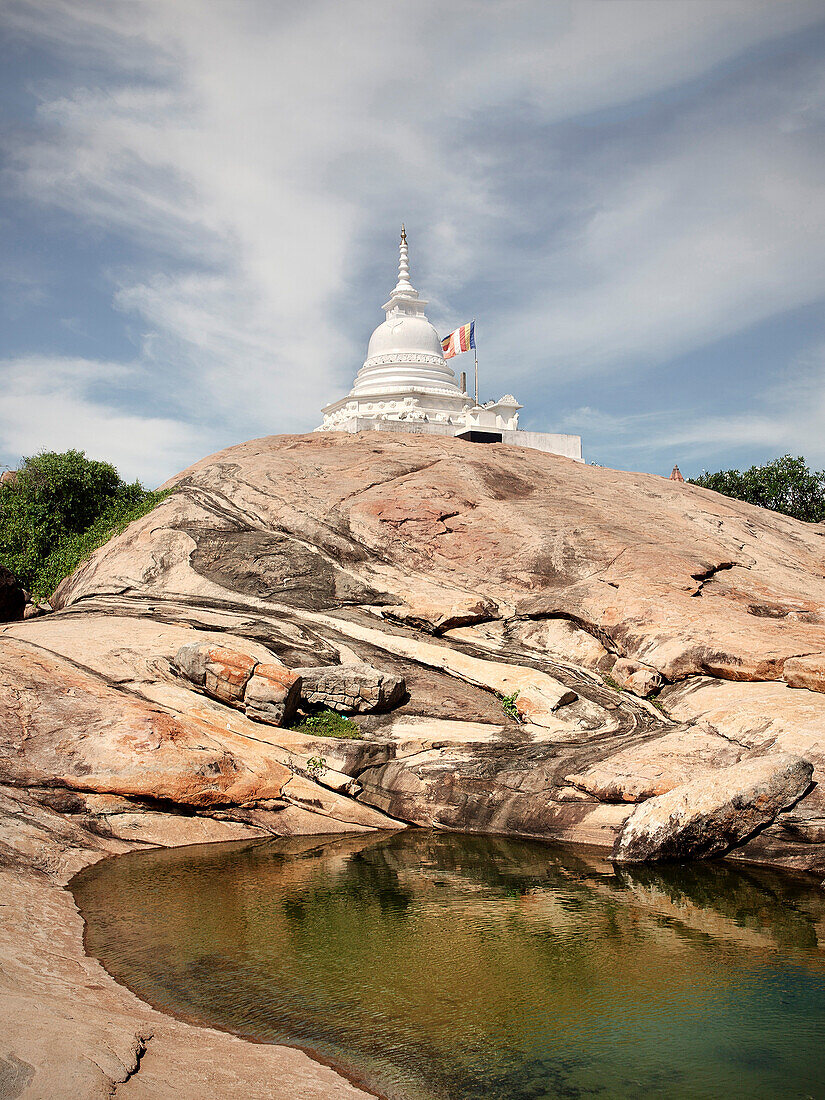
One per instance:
(406, 385)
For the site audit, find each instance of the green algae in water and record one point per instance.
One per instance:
(437, 966)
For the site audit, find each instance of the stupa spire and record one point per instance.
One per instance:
(404, 287)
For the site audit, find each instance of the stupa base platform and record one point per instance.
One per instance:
(569, 446)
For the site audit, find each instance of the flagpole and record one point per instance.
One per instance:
(475, 352)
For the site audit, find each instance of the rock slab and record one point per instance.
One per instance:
(806, 672)
(714, 812)
(350, 688)
(272, 694)
(654, 767)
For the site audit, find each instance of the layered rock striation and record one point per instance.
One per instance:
(527, 645)
(501, 622)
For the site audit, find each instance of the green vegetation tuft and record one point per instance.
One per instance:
(652, 698)
(328, 723)
(783, 485)
(608, 679)
(316, 767)
(58, 509)
(508, 705)
(74, 549)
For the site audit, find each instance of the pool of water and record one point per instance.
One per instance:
(434, 966)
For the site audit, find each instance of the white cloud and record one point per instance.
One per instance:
(50, 404)
(251, 151)
(724, 229)
(787, 418)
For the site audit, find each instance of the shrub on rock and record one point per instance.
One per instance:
(57, 509)
(328, 723)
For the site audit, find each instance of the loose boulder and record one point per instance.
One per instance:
(806, 672)
(266, 690)
(222, 673)
(190, 661)
(350, 688)
(272, 694)
(713, 812)
(227, 674)
(636, 677)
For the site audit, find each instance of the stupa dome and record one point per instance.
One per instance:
(403, 333)
(405, 378)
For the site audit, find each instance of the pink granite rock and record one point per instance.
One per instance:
(636, 677)
(805, 672)
(710, 814)
(272, 694)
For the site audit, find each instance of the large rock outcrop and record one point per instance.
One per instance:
(513, 593)
(529, 605)
(676, 577)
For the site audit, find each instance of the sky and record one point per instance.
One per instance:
(200, 203)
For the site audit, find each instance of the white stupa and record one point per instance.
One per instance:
(407, 385)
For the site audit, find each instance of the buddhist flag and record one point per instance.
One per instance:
(462, 339)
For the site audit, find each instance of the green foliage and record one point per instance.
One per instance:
(328, 723)
(57, 510)
(74, 549)
(783, 485)
(508, 705)
(316, 766)
(608, 679)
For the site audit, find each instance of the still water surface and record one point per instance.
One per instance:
(435, 966)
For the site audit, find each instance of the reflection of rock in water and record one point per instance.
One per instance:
(745, 905)
(447, 966)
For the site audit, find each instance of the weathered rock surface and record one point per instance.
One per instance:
(350, 688)
(64, 727)
(272, 694)
(149, 707)
(674, 576)
(556, 639)
(636, 677)
(226, 674)
(805, 672)
(653, 767)
(715, 811)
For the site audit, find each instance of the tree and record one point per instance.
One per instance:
(783, 485)
(54, 506)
